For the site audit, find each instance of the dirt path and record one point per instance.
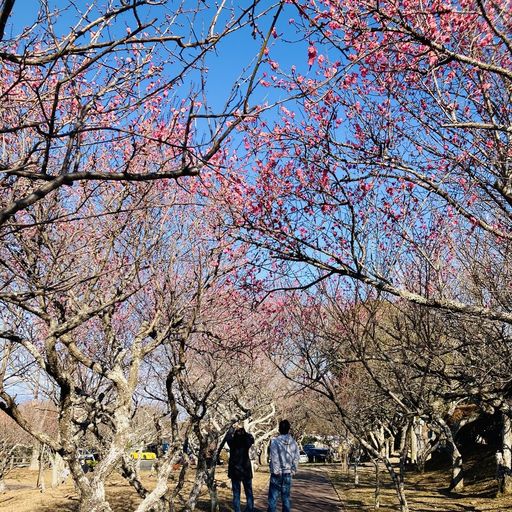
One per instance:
(311, 492)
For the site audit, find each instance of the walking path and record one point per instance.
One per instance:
(311, 492)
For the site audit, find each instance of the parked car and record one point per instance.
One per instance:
(88, 460)
(318, 454)
(143, 455)
(303, 457)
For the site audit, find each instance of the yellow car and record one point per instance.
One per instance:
(143, 455)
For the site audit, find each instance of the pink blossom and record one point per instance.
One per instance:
(312, 53)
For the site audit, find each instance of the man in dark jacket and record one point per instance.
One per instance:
(239, 467)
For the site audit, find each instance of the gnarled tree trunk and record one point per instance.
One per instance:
(457, 481)
(505, 471)
(376, 504)
(92, 498)
(59, 470)
(398, 482)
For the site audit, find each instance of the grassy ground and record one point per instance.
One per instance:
(22, 496)
(426, 492)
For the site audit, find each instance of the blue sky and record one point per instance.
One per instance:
(225, 65)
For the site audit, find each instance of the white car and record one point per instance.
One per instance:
(303, 458)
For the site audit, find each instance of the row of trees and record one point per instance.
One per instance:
(120, 311)
(133, 315)
(401, 379)
(139, 221)
(385, 192)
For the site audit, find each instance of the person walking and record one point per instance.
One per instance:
(240, 467)
(284, 460)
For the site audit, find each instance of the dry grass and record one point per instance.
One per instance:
(22, 496)
(426, 492)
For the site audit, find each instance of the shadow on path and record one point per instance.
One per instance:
(311, 492)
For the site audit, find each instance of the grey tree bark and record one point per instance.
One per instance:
(505, 471)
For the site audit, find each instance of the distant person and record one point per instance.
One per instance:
(284, 460)
(239, 466)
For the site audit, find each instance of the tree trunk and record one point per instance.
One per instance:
(35, 457)
(390, 445)
(40, 473)
(181, 483)
(93, 498)
(376, 505)
(399, 486)
(420, 445)
(196, 489)
(403, 441)
(457, 483)
(426, 453)
(344, 460)
(421, 463)
(59, 470)
(212, 489)
(91, 488)
(404, 507)
(397, 482)
(3, 487)
(414, 444)
(158, 499)
(400, 489)
(505, 472)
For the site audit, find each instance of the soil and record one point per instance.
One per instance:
(22, 495)
(426, 492)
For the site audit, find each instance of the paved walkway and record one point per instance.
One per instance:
(311, 492)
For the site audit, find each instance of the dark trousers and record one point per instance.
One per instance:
(236, 486)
